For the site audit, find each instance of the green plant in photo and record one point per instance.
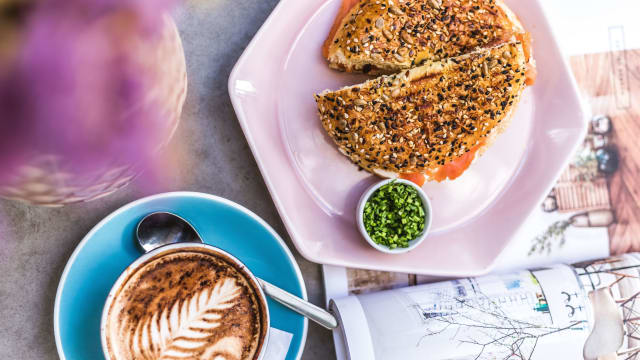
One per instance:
(554, 234)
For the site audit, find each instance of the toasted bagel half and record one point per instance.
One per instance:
(431, 119)
(386, 36)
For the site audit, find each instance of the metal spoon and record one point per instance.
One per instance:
(163, 228)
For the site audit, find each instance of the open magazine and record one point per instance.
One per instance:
(592, 212)
(585, 310)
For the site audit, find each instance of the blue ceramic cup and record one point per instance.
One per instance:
(106, 334)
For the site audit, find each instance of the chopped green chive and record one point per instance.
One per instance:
(394, 215)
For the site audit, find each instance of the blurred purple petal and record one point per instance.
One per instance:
(79, 87)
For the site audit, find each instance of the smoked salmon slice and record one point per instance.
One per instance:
(450, 171)
(345, 7)
(455, 168)
(416, 178)
(527, 42)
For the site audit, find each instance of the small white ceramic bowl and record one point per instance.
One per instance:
(426, 204)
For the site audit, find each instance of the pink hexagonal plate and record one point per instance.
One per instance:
(315, 188)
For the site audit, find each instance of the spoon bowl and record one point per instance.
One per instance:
(164, 228)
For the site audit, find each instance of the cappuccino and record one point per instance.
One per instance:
(190, 302)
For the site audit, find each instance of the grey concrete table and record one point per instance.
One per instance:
(212, 157)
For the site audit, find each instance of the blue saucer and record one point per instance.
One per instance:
(109, 248)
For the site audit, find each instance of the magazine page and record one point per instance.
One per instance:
(593, 208)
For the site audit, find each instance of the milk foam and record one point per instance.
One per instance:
(187, 306)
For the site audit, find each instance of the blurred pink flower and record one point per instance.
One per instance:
(76, 86)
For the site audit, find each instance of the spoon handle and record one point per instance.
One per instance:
(302, 307)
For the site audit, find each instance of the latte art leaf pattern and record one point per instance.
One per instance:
(181, 330)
